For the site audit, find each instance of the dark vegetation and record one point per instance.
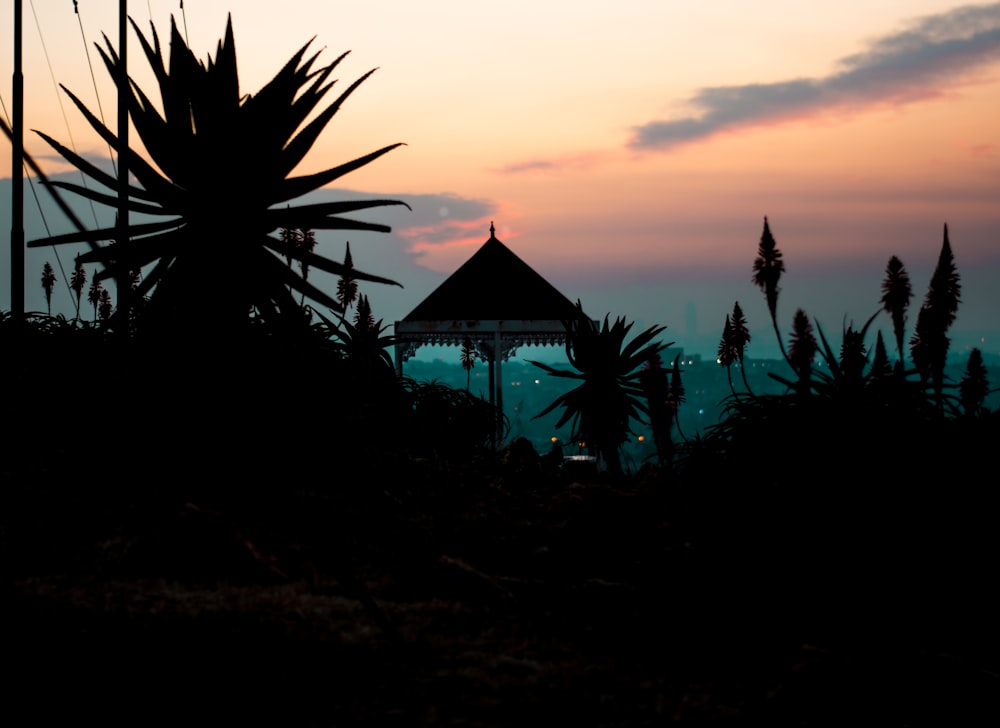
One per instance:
(266, 525)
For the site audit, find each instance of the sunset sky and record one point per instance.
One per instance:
(628, 151)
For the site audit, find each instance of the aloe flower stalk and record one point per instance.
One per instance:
(881, 370)
(105, 308)
(468, 361)
(767, 270)
(896, 294)
(48, 281)
(740, 338)
(363, 318)
(94, 295)
(727, 352)
(802, 349)
(77, 282)
(290, 238)
(735, 337)
(974, 385)
(347, 286)
(929, 345)
(306, 244)
(853, 356)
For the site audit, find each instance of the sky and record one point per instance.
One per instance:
(628, 151)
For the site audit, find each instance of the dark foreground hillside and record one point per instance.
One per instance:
(260, 559)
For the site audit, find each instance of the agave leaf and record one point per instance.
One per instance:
(134, 253)
(827, 353)
(324, 264)
(303, 141)
(565, 373)
(288, 276)
(154, 56)
(91, 170)
(148, 177)
(85, 236)
(112, 200)
(311, 217)
(297, 186)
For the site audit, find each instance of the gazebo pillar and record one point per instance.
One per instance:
(497, 364)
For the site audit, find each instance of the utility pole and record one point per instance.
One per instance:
(17, 179)
(122, 277)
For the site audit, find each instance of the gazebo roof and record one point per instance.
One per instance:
(494, 285)
(493, 304)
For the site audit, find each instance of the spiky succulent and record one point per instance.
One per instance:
(219, 177)
(608, 368)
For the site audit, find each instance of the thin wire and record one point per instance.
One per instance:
(38, 204)
(185, 17)
(62, 109)
(93, 80)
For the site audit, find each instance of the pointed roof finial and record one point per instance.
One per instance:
(492, 230)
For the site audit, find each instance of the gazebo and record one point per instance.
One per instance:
(495, 303)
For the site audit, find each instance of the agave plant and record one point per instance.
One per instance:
(219, 177)
(610, 395)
